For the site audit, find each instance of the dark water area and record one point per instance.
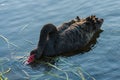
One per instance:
(20, 25)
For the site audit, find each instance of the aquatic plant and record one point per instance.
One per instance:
(78, 71)
(8, 42)
(2, 77)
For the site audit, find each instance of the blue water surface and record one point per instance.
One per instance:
(20, 25)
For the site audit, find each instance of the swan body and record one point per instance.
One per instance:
(70, 36)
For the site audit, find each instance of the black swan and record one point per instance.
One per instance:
(70, 36)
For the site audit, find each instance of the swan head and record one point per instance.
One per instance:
(32, 57)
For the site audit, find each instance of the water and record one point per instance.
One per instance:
(22, 20)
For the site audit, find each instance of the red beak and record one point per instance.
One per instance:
(31, 58)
